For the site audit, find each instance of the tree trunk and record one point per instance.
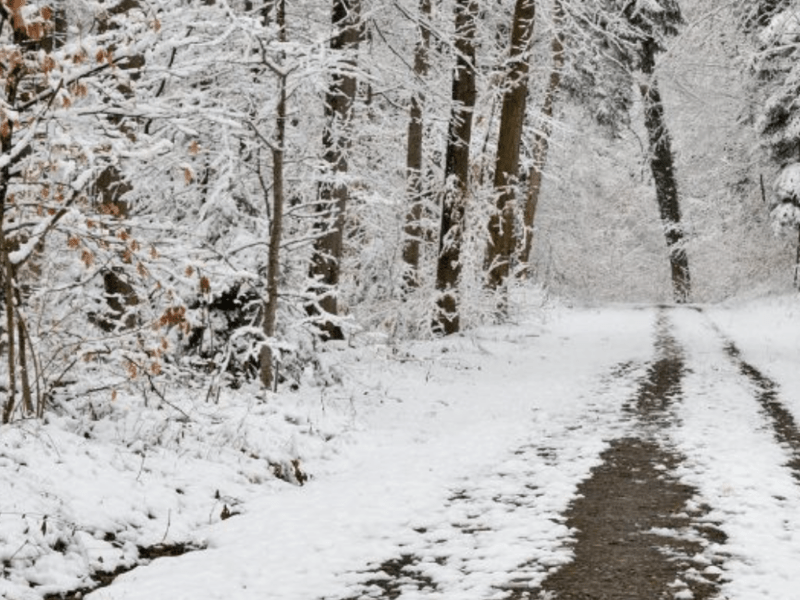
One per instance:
(413, 228)
(459, 137)
(541, 145)
(6, 144)
(663, 169)
(512, 118)
(333, 194)
(266, 366)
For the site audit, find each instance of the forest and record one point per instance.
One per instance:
(364, 299)
(216, 189)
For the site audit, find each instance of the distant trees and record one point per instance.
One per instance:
(628, 36)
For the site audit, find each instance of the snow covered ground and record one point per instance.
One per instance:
(463, 453)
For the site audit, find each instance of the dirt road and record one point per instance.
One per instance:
(637, 529)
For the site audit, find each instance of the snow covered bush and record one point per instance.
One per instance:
(786, 204)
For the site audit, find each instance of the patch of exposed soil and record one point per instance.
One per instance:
(103, 579)
(393, 577)
(631, 531)
(634, 537)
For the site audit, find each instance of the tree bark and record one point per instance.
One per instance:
(662, 166)
(6, 144)
(541, 145)
(333, 194)
(459, 137)
(266, 363)
(413, 228)
(502, 240)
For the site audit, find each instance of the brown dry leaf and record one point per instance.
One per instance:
(88, 258)
(35, 31)
(48, 64)
(205, 285)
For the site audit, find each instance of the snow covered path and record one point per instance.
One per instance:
(741, 455)
(467, 467)
(480, 462)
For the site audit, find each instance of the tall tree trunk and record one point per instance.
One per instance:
(662, 166)
(6, 268)
(459, 137)
(333, 194)
(267, 370)
(512, 118)
(413, 228)
(541, 144)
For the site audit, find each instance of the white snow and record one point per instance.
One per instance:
(463, 452)
(787, 184)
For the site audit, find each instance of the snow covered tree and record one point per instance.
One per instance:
(59, 134)
(655, 23)
(773, 26)
(541, 139)
(414, 151)
(333, 195)
(502, 242)
(627, 36)
(457, 164)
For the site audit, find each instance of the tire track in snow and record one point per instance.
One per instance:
(737, 458)
(639, 532)
(767, 393)
(503, 531)
(781, 420)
